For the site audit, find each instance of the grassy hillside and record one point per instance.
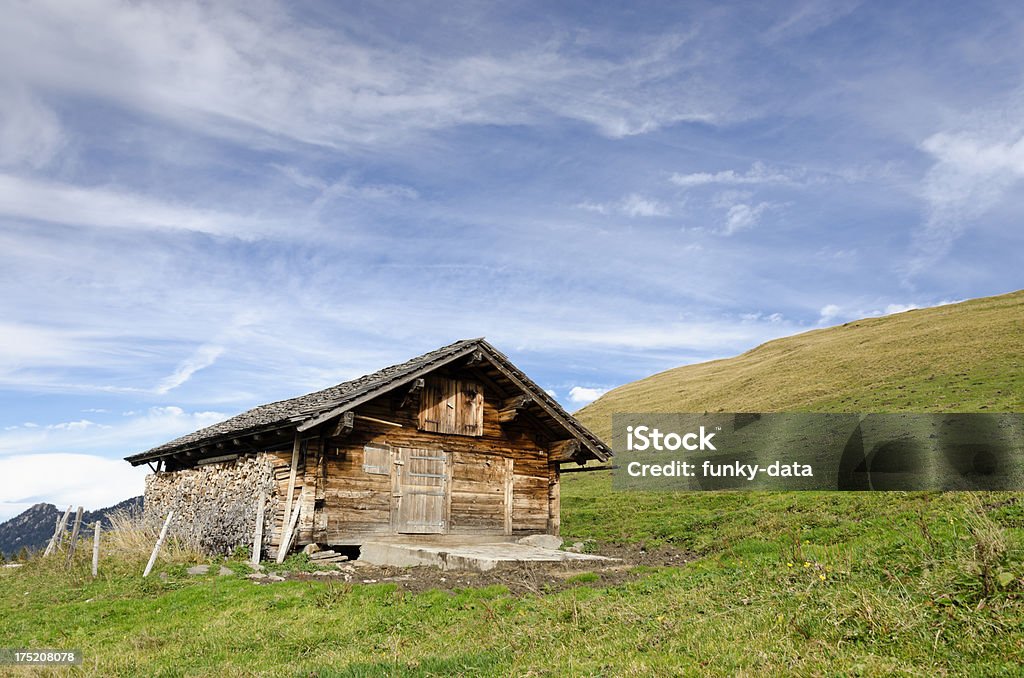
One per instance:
(964, 357)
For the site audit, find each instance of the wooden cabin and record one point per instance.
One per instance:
(455, 442)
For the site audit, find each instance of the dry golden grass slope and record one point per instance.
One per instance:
(965, 357)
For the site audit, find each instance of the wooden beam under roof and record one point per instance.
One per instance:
(511, 407)
(346, 423)
(564, 450)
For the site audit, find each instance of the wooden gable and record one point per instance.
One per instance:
(452, 406)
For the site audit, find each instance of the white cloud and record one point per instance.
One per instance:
(62, 479)
(973, 156)
(805, 18)
(773, 318)
(833, 312)
(742, 216)
(112, 207)
(28, 345)
(346, 187)
(638, 206)
(759, 173)
(79, 425)
(581, 395)
(899, 308)
(233, 71)
(633, 205)
(203, 357)
(130, 434)
(30, 133)
(973, 170)
(828, 313)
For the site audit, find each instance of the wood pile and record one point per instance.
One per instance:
(215, 505)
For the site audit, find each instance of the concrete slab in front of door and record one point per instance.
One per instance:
(478, 557)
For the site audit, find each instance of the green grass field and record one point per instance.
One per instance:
(773, 583)
(852, 584)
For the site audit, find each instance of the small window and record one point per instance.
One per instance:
(452, 406)
(377, 459)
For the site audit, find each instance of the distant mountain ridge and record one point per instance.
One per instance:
(33, 527)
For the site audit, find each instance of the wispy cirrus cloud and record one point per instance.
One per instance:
(759, 173)
(633, 205)
(230, 71)
(742, 216)
(973, 169)
(30, 132)
(111, 207)
(138, 431)
(203, 357)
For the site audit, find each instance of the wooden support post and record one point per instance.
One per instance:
(289, 536)
(346, 422)
(291, 487)
(257, 540)
(159, 543)
(97, 528)
(74, 534)
(509, 480)
(58, 533)
(554, 501)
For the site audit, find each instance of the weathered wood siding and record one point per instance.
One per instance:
(502, 481)
(357, 503)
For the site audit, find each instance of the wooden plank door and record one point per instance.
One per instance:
(422, 480)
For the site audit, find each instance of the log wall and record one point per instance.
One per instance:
(359, 504)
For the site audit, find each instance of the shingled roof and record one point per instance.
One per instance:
(305, 411)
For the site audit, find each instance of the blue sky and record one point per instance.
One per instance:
(204, 207)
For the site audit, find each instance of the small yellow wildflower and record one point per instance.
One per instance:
(807, 564)
(789, 564)
(822, 577)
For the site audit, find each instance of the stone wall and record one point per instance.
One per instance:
(215, 505)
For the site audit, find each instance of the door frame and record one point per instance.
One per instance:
(398, 463)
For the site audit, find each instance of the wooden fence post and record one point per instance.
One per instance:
(96, 547)
(74, 535)
(58, 533)
(257, 540)
(53, 537)
(159, 543)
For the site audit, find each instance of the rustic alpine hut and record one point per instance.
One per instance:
(456, 443)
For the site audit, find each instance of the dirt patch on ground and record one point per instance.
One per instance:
(519, 578)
